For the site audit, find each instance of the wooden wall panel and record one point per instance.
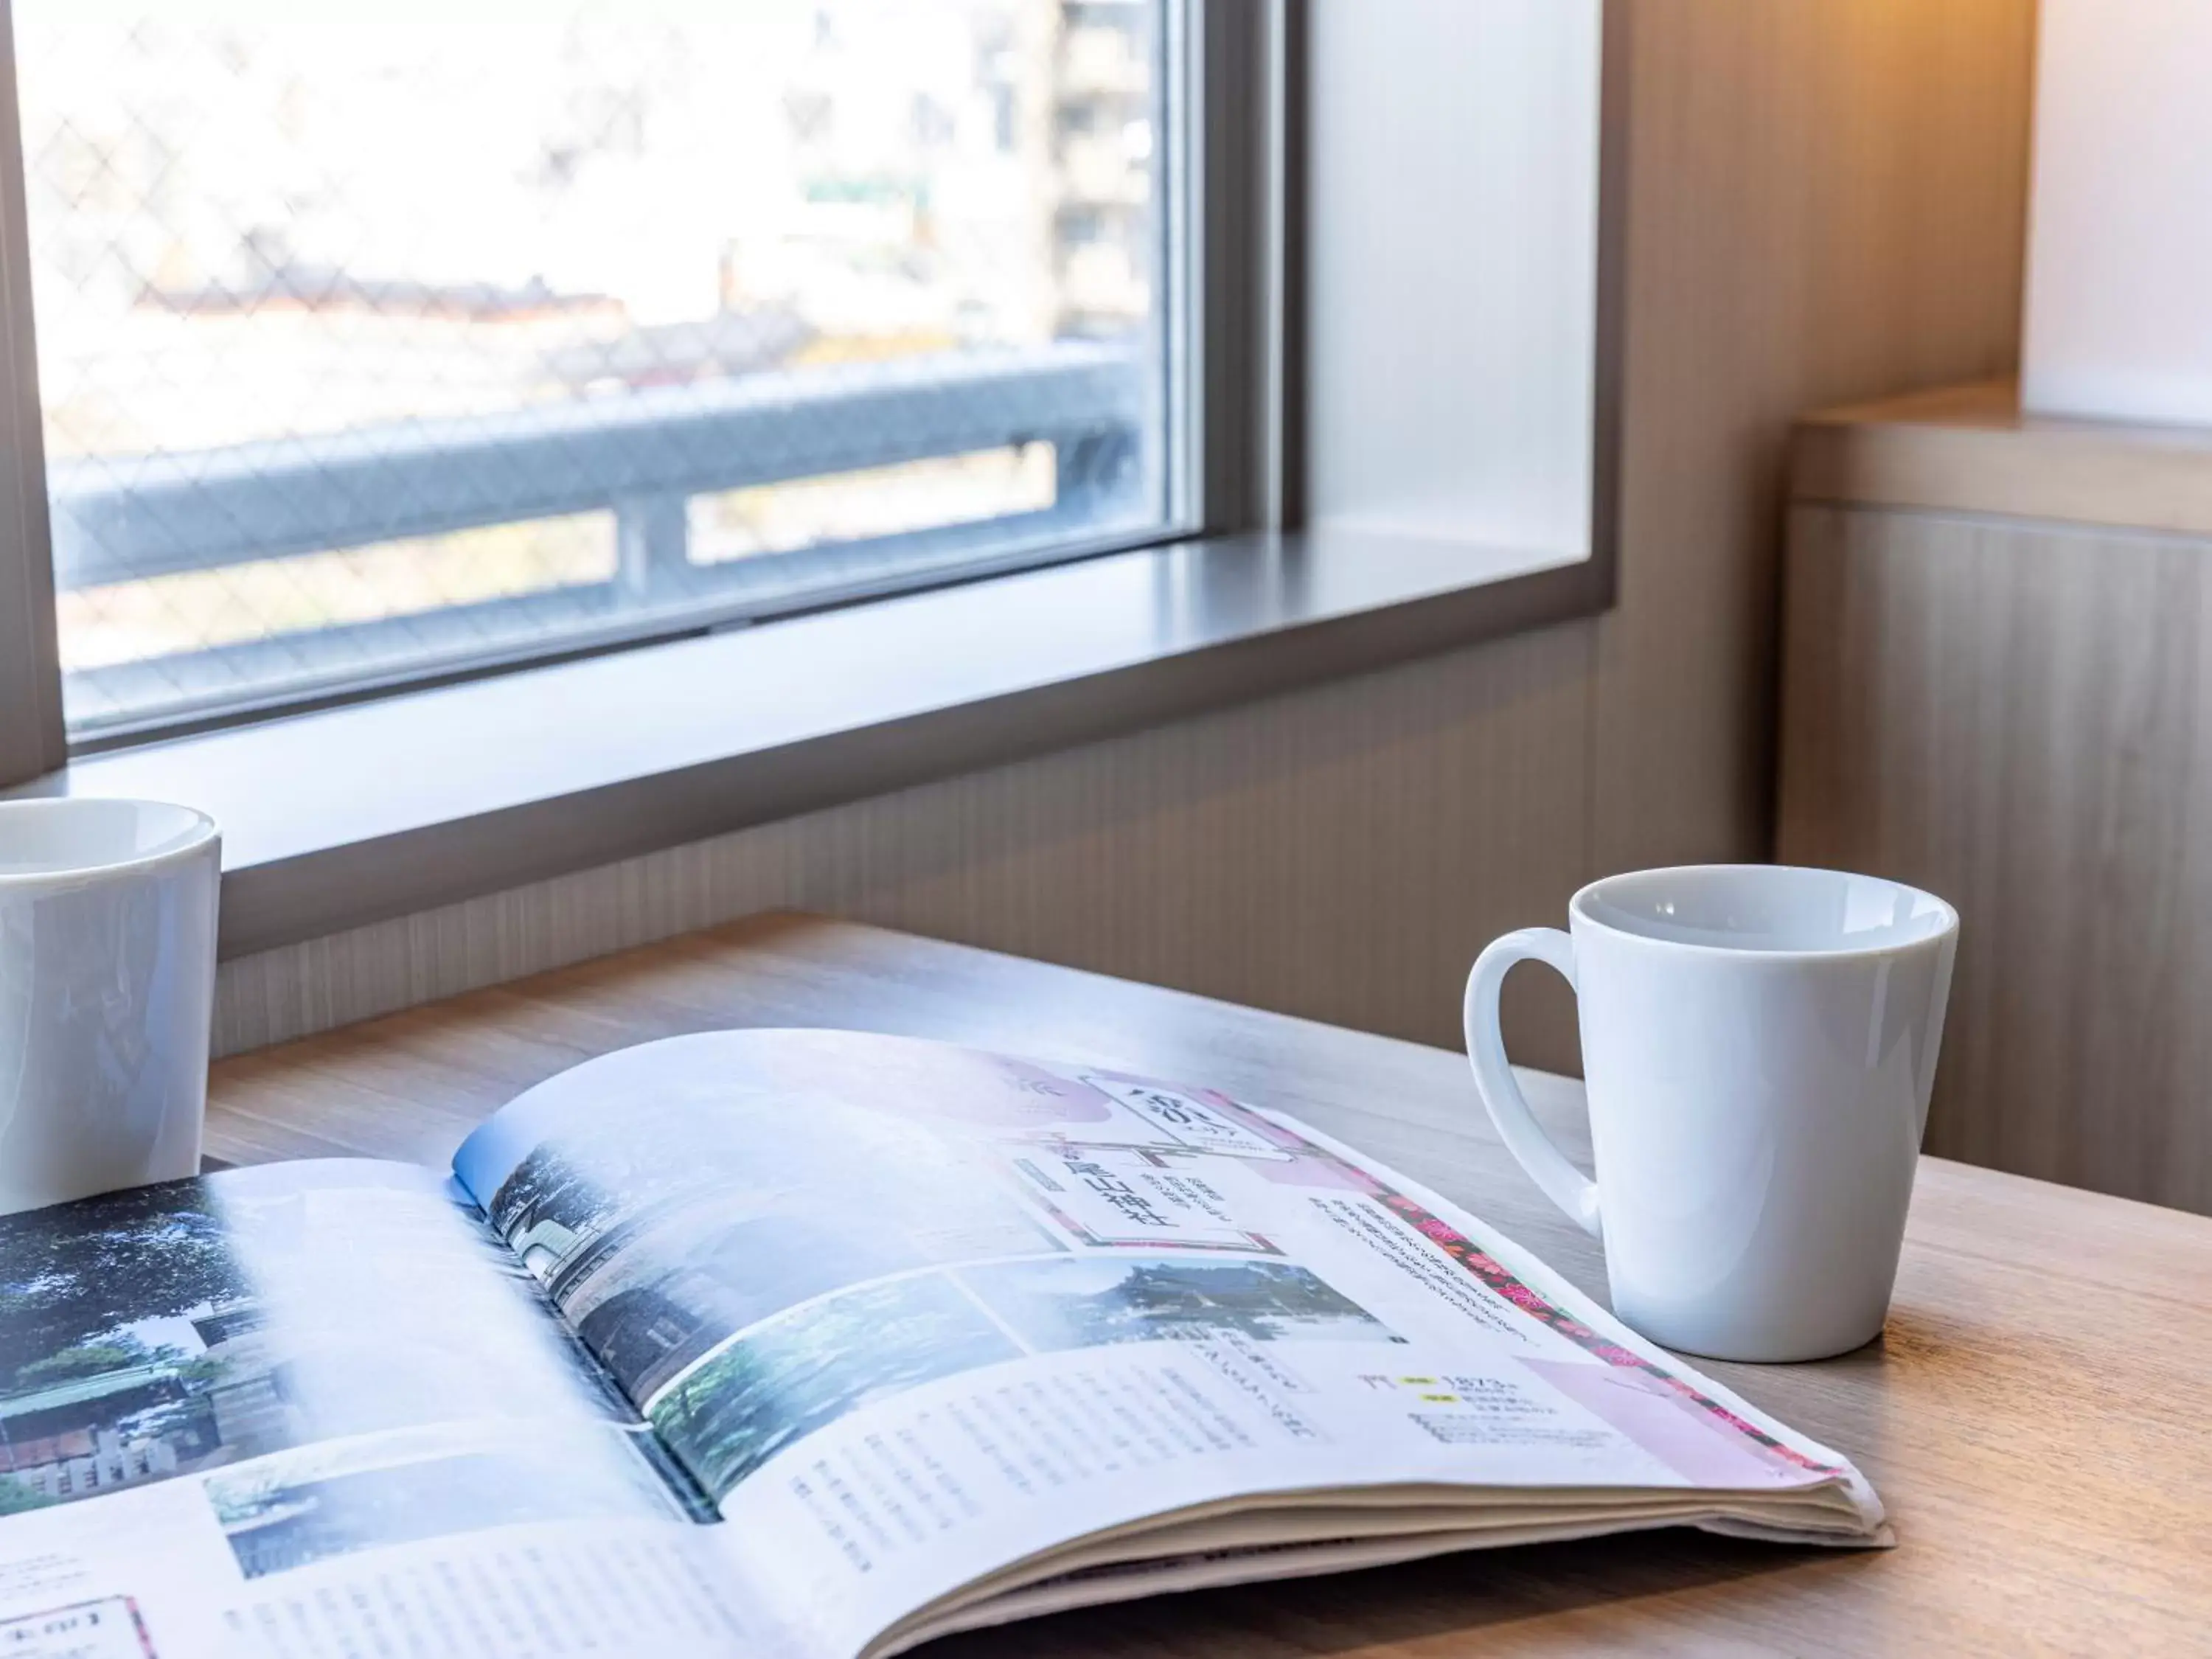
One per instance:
(2019, 718)
(1826, 202)
(1341, 853)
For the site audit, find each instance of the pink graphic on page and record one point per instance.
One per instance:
(1493, 1272)
(1664, 1423)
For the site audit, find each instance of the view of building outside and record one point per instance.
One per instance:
(284, 256)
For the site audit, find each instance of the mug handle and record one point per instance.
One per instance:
(1564, 1184)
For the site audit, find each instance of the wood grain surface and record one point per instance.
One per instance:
(2018, 715)
(1972, 449)
(1340, 852)
(2035, 1418)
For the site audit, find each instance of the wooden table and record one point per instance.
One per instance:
(2039, 1418)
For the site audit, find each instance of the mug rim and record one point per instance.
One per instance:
(1580, 915)
(200, 833)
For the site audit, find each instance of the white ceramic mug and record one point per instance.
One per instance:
(107, 913)
(1759, 1043)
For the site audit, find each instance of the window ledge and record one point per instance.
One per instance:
(348, 816)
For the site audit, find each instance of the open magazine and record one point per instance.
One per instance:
(808, 1343)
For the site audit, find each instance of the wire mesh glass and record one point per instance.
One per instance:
(378, 340)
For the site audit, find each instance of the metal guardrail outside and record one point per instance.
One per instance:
(642, 455)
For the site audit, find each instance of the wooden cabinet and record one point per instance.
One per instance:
(1997, 684)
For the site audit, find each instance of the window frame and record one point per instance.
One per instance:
(33, 737)
(1235, 433)
(1218, 55)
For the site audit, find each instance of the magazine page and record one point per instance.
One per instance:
(919, 1320)
(315, 1409)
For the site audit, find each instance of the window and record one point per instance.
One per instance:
(380, 343)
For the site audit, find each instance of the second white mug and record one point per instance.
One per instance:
(1759, 1043)
(107, 918)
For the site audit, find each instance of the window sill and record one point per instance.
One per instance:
(335, 819)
